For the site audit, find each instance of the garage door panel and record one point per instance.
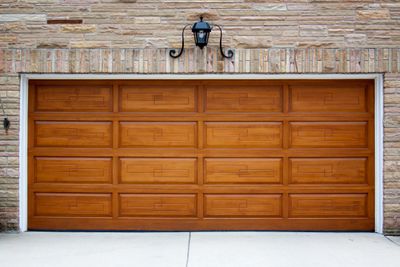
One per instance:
(73, 204)
(242, 171)
(329, 134)
(328, 170)
(73, 170)
(161, 134)
(328, 205)
(158, 170)
(78, 98)
(314, 98)
(73, 134)
(244, 99)
(243, 134)
(156, 99)
(157, 205)
(241, 205)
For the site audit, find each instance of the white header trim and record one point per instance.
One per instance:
(227, 76)
(23, 135)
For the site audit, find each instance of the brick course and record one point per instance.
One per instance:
(134, 36)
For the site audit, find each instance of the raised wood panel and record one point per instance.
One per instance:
(320, 98)
(157, 99)
(241, 205)
(157, 134)
(73, 204)
(73, 134)
(243, 134)
(157, 205)
(328, 205)
(244, 99)
(329, 134)
(242, 171)
(328, 170)
(73, 170)
(158, 170)
(74, 98)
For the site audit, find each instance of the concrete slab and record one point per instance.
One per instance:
(284, 249)
(44, 249)
(395, 239)
(207, 249)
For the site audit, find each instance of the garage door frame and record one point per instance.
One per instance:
(23, 145)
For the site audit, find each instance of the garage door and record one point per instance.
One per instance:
(201, 155)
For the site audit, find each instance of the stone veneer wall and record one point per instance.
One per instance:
(157, 23)
(133, 36)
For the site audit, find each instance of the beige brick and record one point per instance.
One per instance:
(207, 14)
(270, 7)
(373, 14)
(254, 42)
(148, 20)
(22, 17)
(89, 44)
(78, 28)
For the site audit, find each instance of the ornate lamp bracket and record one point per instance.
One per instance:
(230, 52)
(173, 52)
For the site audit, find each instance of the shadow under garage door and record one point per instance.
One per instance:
(201, 155)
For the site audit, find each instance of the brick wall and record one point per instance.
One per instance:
(133, 36)
(9, 94)
(392, 154)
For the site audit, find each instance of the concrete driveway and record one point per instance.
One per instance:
(199, 249)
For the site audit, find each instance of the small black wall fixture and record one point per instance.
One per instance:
(6, 122)
(201, 31)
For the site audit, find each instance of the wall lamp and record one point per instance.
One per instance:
(6, 122)
(201, 31)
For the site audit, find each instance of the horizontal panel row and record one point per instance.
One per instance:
(216, 134)
(185, 205)
(216, 170)
(221, 98)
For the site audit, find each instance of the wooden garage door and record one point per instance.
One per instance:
(201, 155)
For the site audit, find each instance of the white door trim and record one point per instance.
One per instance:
(23, 134)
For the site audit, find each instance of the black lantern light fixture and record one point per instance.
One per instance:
(6, 122)
(201, 31)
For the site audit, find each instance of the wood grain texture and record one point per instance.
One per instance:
(156, 99)
(332, 98)
(242, 171)
(244, 99)
(73, 170)
(158, 170)
(328, 205)
(81, 205)
(73, 134)
(329, 134)
(74, 98)
(201, 155)
(243, 134)
(158, 205)
(328, 170)
(157, 134)
(221, 205)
